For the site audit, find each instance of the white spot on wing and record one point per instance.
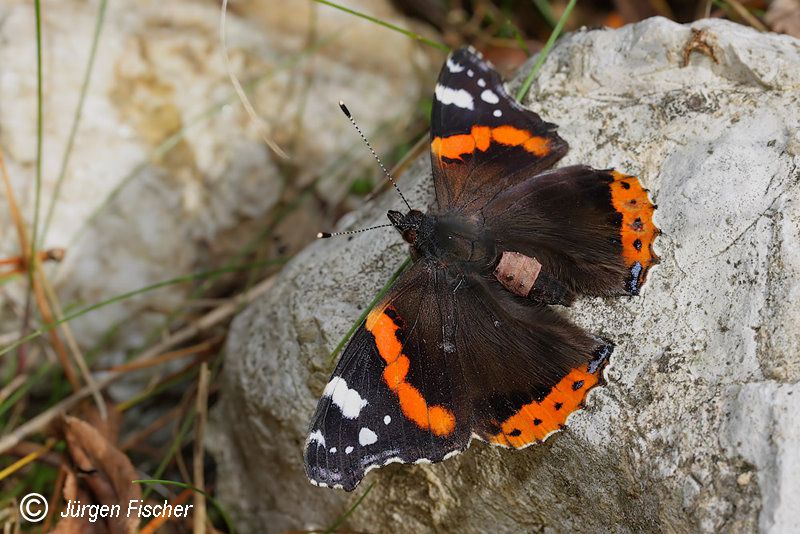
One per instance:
(457, 97)
(481, 82)
(497, 113)
(333, 450)
(387, 419)
(452, 66)
(470, 73)
(348, 400)
(348, 449)
(317, 437)
(367, 437)
(489, 96)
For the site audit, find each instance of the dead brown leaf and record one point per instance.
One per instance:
(106, 470)
(108, 427)
(783, 16)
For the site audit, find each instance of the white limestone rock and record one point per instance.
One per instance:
(697, 429)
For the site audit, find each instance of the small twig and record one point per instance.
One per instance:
(22, 462)
(132, 441)
(199, 480)
(26, 448)
(55, 339)
(155, 524)
(200, 348)
(22, 235)
(181, 437)
(52, 254)
(77, 354)
(213, 318)
(263, 129)
(748, 17)
(56, 497)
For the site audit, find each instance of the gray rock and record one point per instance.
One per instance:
(697, 429)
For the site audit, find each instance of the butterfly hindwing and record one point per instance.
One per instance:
(482, 140)
(592, 230)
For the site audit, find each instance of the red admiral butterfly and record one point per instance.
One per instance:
(465, 344)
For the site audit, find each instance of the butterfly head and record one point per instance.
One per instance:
(408, 224)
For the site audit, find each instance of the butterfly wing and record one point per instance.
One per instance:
(592, 230)
(390, 398)
(482, 140)
(441, 359)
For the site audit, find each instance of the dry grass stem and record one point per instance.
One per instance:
(747, 16)
(200, 348)
(77, 354)
(12, 386)
(262, 126)
(199, 452)
(25, 460)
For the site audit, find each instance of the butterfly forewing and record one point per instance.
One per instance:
(482, 140)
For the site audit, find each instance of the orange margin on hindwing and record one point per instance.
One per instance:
(638, 233)
(438, 419)
(538, 419)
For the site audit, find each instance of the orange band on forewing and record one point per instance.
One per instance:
(442, 420)
(481, 137)
(638, 231)
(534, 421)
(395, 372)
(537, 145)
(438, 419)
(454, 146)
(508, 135)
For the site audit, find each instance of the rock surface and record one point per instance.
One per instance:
(169, 174)
(697, 429)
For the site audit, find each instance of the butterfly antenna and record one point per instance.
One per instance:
(378, 159)
(325, 235)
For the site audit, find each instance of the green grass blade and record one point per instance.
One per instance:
(408, 33)
(342, 518)
(98, 26)
(124, 296)
(378, 297)
(526, 85)
(37, 5)
(225, 517)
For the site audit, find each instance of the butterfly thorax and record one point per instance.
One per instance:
(452, 240)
